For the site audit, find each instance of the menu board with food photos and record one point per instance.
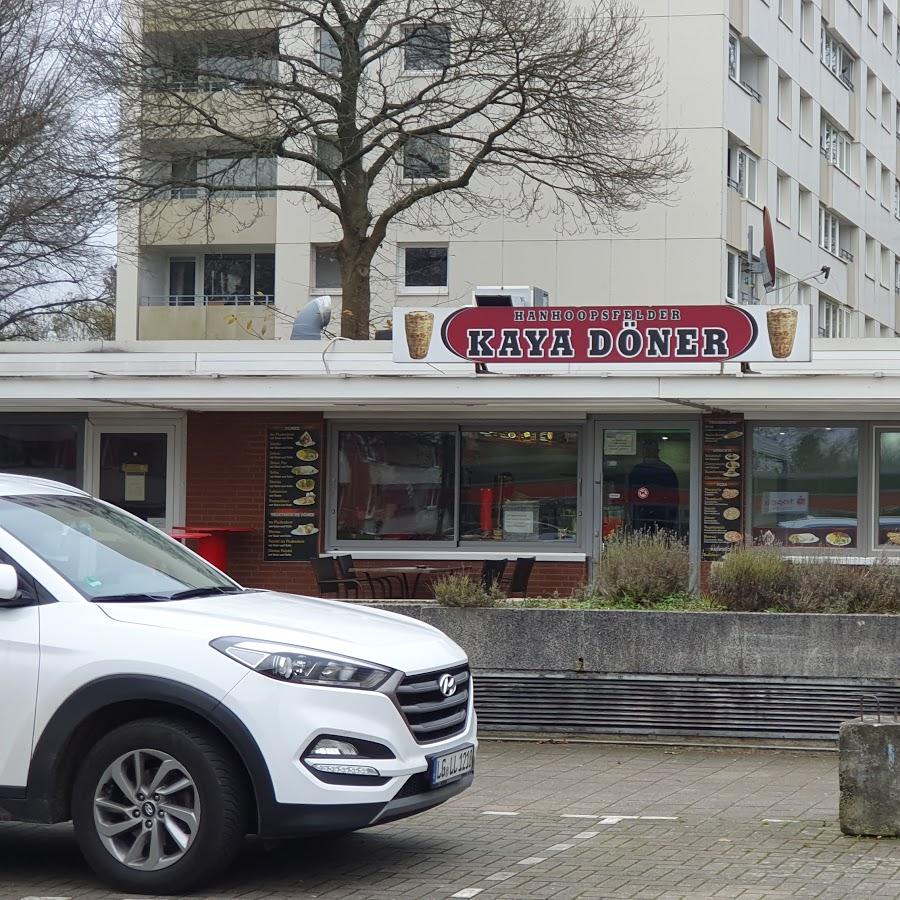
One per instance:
(723, 485)
(293, 492)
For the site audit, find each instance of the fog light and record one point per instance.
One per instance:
(333, 747)
(341, 768)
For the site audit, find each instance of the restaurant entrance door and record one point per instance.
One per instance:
(646, 480)
(133, 467)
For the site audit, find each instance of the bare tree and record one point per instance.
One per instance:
(393, 111)
(52, 205)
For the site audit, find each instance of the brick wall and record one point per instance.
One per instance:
(225, 485)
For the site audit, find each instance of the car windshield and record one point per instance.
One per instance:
(106, 554)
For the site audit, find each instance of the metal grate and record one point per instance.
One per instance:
(671, 704)
(429, 714)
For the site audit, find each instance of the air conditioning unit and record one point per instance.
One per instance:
(510, 296)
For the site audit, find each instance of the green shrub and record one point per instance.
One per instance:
(762, 580)
(463, 590)
(644, 567)
(753, 580)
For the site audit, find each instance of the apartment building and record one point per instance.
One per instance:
(789, 104)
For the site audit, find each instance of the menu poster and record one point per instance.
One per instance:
(723, 485)
(293, 492)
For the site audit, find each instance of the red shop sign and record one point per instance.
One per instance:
(603, 334)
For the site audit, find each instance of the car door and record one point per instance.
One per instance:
(20, 655)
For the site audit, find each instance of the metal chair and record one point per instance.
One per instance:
(491, 572)
(517, 583)
(347, 571)
(330, 580)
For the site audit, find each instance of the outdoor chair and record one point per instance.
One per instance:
(346, 570)
(330, 580)
(491, 572)
(517, 583)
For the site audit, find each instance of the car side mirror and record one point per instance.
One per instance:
(9, 587)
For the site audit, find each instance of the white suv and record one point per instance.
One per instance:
(169, 711)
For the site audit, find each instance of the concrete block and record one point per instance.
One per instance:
(869, 772)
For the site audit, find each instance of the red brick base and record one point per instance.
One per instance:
(225, 485)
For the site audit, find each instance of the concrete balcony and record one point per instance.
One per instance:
(219, 318)
(180, 221)
(233, 15)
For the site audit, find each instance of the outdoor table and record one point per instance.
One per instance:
(213, 546)
(404, 573)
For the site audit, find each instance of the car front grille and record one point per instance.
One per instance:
(429, 714)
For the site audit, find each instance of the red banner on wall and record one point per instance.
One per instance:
(603, 334)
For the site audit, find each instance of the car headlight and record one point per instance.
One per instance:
(301, 666)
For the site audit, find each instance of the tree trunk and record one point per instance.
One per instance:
(355, 258)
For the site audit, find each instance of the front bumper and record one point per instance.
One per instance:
(284, 719)
(288, 819)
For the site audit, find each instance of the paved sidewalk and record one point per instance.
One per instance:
(580, 821)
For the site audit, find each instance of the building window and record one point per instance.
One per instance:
(805, 482)
(806, 208)
(871, 250)
(834, 318)
(807, 22)
(239, 278)
(785, 89)
(733, 276)
(784, 199)
(884, 270)
(183, 177)
(806, 117)
(836, 146)
(886, 106)
(829, 231)
(427, 157)
(328, 159)
(326, 270)
(885, 187)
(241, 175)
(871, 94)
(897, 274)
(871, 175)
(734, 57)
(742, 166)
(785, 12)
(329, 54)
(872, 17)
(518, 486)
(837, 58)
(454, 485)
(396, 485)
(426, 48)
(424, 270)
(897, 126)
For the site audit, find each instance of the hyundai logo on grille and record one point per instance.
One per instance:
(447, 684)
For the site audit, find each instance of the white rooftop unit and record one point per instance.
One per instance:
(504, 295)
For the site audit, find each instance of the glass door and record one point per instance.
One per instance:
(646, 480)
(133, 469)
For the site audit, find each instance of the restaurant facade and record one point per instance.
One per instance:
(287, 450)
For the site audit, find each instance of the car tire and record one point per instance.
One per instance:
(159, 806)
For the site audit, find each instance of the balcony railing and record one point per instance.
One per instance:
(845, 254)
(209, 300)
(733, 183)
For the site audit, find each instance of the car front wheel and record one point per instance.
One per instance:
(159, 806)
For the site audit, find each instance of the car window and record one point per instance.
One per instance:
(28, 587)
(102, 551)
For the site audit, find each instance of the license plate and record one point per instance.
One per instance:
(450, 766)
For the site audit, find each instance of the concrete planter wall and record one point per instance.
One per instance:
(785, 675)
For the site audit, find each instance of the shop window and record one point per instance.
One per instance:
(396, 486)
(889, 489)
(41, 451)
(518, 485)
(805, 486)
(424, 270)
(456, 486)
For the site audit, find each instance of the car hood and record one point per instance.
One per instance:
(326, 625)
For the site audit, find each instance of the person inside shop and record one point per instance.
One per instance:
(653, 491)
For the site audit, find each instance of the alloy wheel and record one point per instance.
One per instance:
(147, 810)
